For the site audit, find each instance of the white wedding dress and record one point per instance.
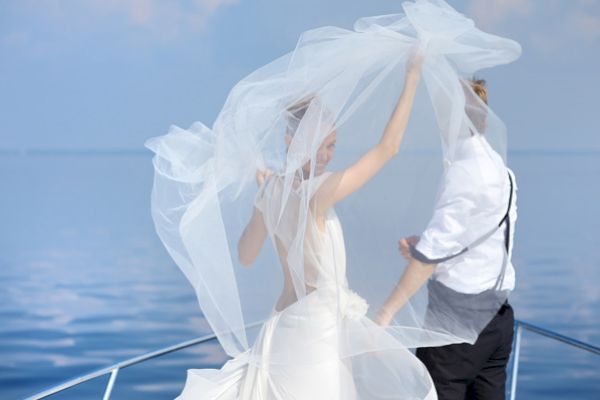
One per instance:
(299, 352)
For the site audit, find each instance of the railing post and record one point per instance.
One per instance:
(515, 366)
(111, 382)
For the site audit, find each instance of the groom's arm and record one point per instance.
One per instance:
(413, 277)
(440, 241)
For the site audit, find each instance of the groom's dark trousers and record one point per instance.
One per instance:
(478, 371)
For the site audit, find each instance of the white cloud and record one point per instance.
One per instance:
(549, 28)
(186, 13)
(490, 13)
(585, 25)
(571, 23)
(155, 18)
(141, 11)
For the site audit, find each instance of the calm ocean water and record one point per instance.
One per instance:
(86, 282)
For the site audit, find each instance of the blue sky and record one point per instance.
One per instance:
(108, 74)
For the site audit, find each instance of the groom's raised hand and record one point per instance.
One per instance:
(404, 246)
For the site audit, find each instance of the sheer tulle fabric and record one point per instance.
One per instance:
(316, 285)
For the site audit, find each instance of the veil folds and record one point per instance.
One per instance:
(347, 81)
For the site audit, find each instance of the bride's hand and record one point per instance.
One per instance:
(383, 317)
(404, 246)
(262, 175)
(414, 64)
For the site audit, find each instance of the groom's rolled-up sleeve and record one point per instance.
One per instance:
(444, 237)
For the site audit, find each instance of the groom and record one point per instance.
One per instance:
(465, 371)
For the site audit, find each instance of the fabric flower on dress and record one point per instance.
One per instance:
(353, 306)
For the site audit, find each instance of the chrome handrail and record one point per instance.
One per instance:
(520, 327)
(114, 369)
(558, 336)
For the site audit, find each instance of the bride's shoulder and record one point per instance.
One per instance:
(324, 190)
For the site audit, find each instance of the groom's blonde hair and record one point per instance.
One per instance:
(476, 112)
(480, 89)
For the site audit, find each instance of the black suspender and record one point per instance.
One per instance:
(506, 218)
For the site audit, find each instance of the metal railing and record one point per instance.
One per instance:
(113, 370)
(520, 327)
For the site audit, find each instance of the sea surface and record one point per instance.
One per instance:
(85, 281)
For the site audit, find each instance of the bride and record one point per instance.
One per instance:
(315, 340)
(296, 355)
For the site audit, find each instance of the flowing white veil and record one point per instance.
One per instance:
(348, 81)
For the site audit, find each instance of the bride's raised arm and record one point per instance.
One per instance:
(255, 233)
(343, 183)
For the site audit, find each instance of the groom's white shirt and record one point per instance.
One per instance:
(472, 199)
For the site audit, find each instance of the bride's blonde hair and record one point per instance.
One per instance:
(296, 112)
